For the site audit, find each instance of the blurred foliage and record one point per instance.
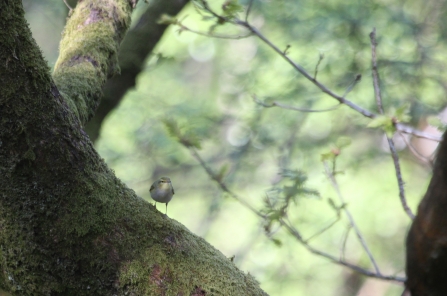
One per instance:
(279, 198)
(204, 87)
(387, 122)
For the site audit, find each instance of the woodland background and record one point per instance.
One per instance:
(207, 86)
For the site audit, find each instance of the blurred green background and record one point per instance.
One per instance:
(206, 85)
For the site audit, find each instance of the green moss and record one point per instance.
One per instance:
(88, 53)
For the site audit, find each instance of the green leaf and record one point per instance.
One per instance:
(231, 7)
(311, 192)
(290, 191)
(328, 156)
(277, 242)
(332, 204)
(402, 113)
(389, 130)
(380, 121)
(172, 127)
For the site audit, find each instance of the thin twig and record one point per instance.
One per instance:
(400, 181)
(350, 218)
(414, 151)
(281, 105)
(318, 65)
(68, 6)
(222, 185)
(216, 15)
(394, 154)
(410, 130)
(321, 231)
(351, 86)
(220, 36)
(345, 240)
(375, 73)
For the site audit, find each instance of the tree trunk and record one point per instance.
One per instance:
(426, 262)
(68, 226)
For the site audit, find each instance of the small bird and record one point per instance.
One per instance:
(162, 191)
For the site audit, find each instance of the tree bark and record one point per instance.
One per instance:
(426, 262)
(68, 226)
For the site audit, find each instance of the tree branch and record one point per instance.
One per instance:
(83, 67)
(375, 73)
(135, 48)
(351, 219)
(394, 154)
(283, 106)
(221, 184)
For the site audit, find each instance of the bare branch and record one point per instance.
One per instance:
(221, 184)
(345, 240)
(321, 57)
(220, 36)
(410, 130)
(394, 154)
(321, 231)
(415, 152)
(375, 73)
(400, 181)
(350, 218)
(305, 110)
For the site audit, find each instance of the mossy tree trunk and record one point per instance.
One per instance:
(68, 226)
